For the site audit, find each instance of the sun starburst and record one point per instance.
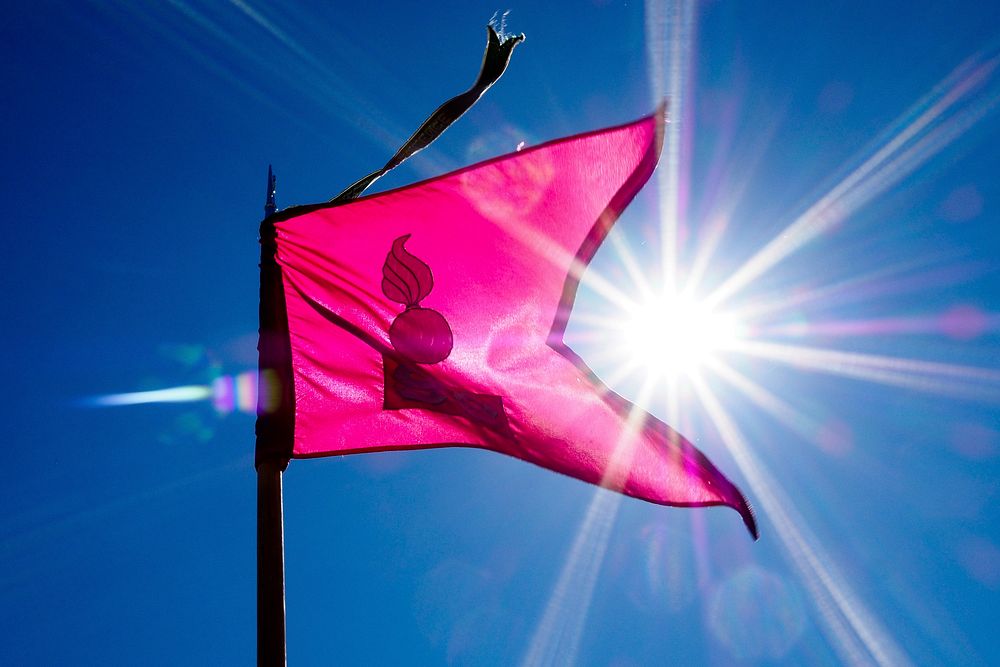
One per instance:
(692, 341)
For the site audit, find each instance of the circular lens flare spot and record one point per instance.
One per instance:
(757, 615)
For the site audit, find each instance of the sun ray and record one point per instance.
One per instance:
(900, 155)
(928, 376)
(677, 21)
(898, 278)
(896, 364)
(547, 249)
(717, 221)
(978, 321)
(853, 629)
(310, 77)
(620, 244)
(557, 637)
(556, 640)
(623, 369)
(795, 420)
(189, 48)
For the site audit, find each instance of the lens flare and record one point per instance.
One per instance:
(184, 394)
(226, 393)
(757, 615)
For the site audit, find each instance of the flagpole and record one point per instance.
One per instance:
(270, 568)
(270, 531)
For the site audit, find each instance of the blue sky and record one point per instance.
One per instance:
(839, 162)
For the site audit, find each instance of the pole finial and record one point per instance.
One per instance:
(269, 206)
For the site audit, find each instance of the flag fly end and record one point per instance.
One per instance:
(749, 518)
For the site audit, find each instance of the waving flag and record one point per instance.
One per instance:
(433, 315)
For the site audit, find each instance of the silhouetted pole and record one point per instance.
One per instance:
(270, 533)
(270, 568)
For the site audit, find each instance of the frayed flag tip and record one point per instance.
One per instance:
(499, 24)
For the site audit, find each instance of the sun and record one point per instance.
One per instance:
(675, 336)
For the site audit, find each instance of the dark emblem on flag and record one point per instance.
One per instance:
(421, 337)
(420, 334)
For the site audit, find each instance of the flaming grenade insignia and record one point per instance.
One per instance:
(421, 335)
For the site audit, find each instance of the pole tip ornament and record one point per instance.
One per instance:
(269, 206)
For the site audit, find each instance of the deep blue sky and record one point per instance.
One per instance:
(135, 142)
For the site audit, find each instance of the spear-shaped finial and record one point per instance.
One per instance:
(269, 205)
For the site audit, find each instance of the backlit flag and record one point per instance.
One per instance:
(433, 315)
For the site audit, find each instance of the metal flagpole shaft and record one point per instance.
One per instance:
(270, 568)
(270, 532)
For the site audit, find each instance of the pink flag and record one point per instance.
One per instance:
(433, 315)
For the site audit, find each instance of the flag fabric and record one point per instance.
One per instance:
(433, 315)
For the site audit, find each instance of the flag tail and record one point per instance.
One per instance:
(498, 52)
